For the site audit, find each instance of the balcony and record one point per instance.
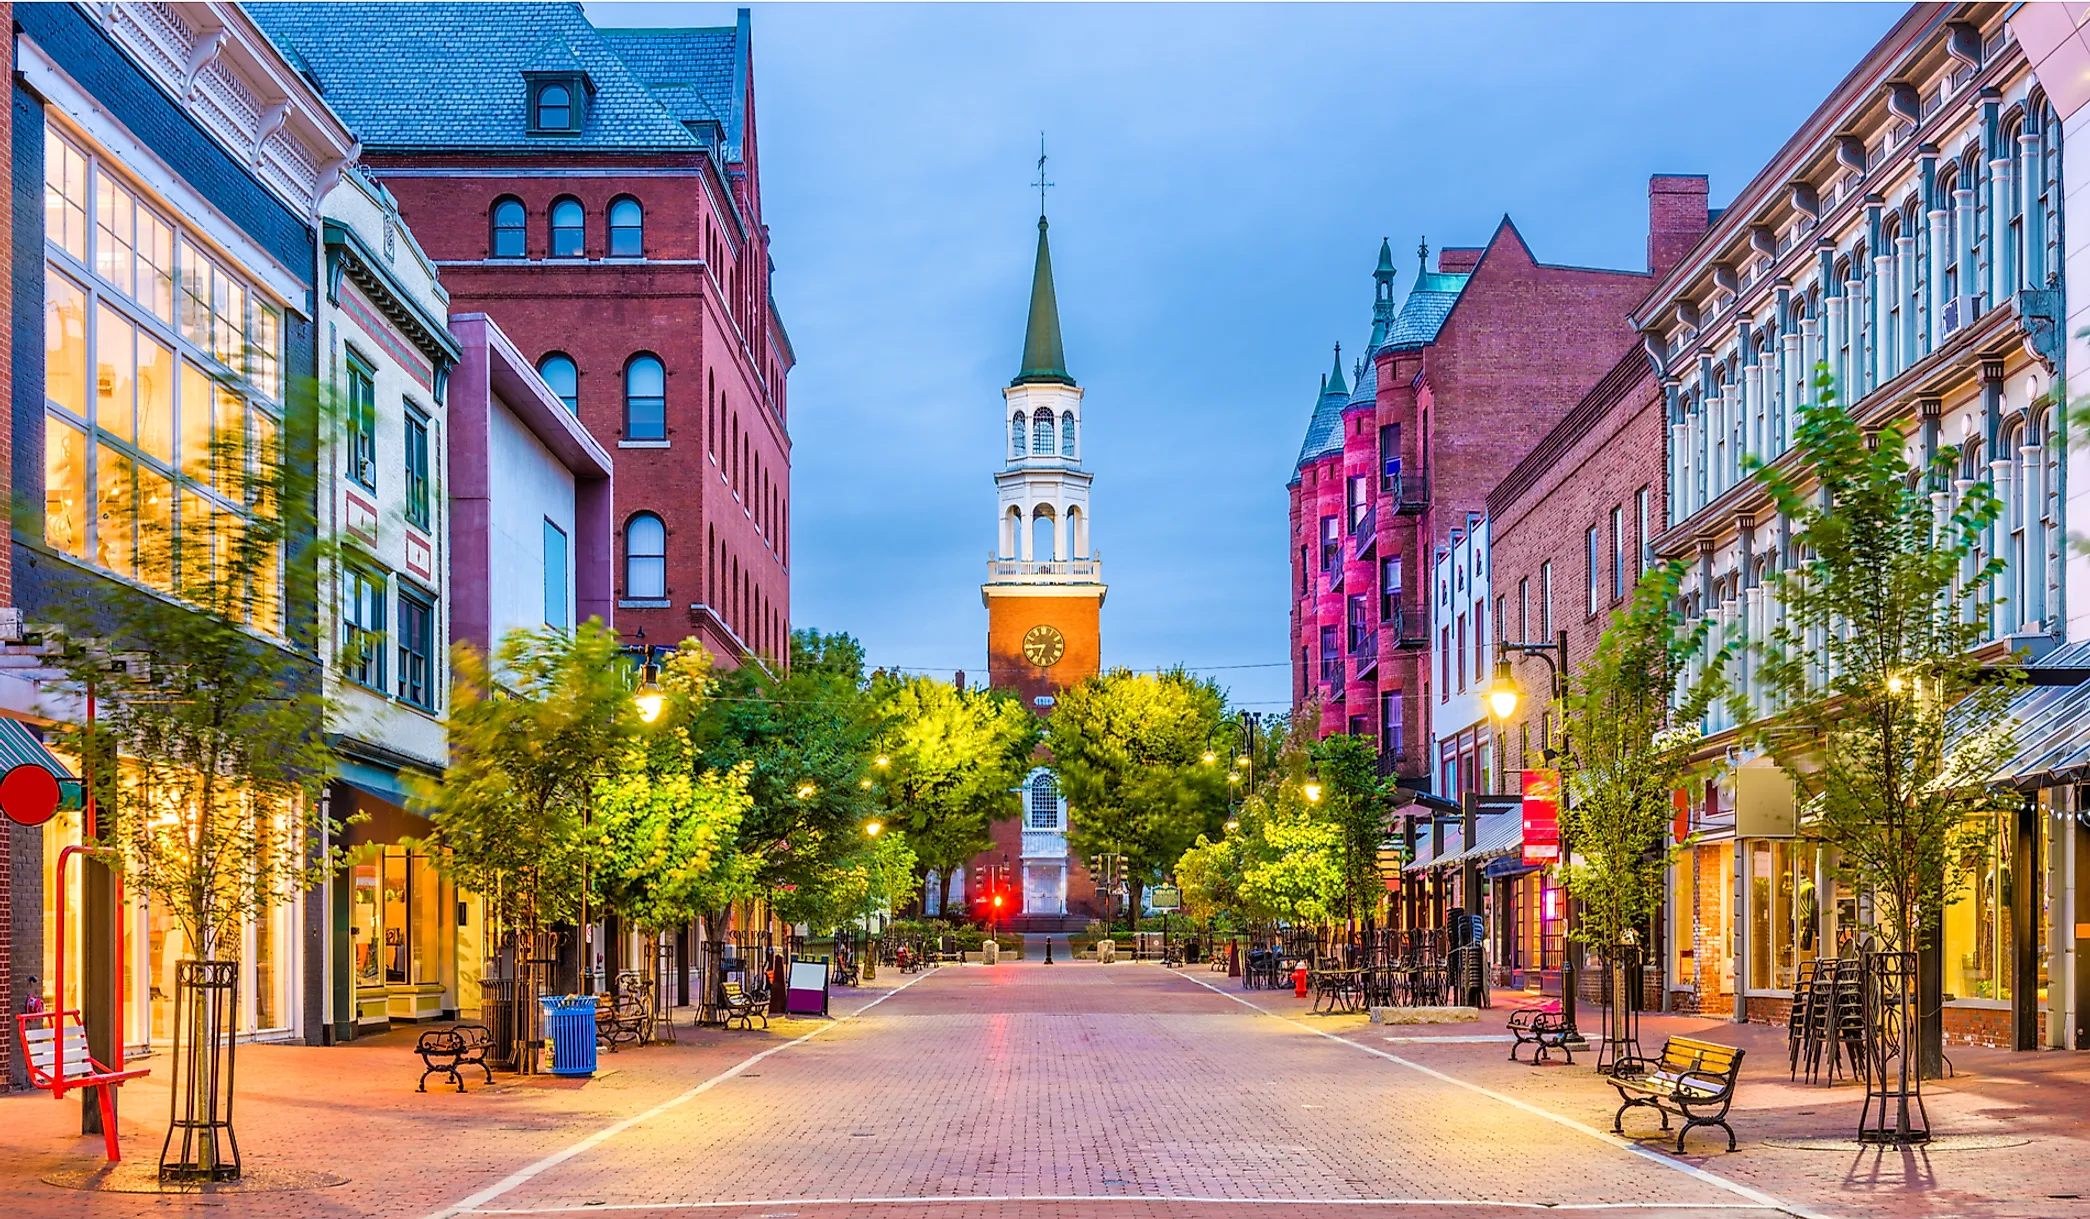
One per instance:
(1365, 647)
(1044, 844)
(1407, 626)
(1410, 492)
(1024, 571)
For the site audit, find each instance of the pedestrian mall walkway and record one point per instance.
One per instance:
(1077, 1089)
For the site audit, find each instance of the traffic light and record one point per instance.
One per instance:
(997, 901)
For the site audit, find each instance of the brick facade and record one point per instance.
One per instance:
(1513, 345)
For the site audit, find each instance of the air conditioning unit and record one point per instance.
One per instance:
(366, 470)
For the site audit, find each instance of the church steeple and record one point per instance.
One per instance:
(1044, 358)
(1335, 383)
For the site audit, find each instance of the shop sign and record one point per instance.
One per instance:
(29, 794)
(1680, 826)
(1541, 817)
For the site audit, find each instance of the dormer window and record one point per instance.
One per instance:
(554, 108)
(558, 102)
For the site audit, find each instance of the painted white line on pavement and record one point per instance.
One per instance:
(1760, 1199)
(522, 1175)
(1146, 1199)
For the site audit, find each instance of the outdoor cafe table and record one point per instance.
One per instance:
(1342, 989)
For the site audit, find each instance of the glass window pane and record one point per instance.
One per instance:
(192, 273)
(65, 195)
(155, 266)
(155, 529)
(194, 414)
(115, 373)
(115, 512)
(262, 457)
(156, 398)
(113, 218)
(65, 487)
(229, 445)
(555, 577)
(264, 361)
(65, 344)
(197, 526)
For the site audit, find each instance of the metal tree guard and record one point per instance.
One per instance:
(1622, 978)
(1893, 1112)
(200, 1145)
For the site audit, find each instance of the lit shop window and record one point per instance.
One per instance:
(163, 378)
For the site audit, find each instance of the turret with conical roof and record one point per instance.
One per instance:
(1383, 310)
(1044, 358)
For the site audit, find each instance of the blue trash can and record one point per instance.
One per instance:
(569, 1029)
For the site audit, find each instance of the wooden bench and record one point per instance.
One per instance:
(742, 1006)
(947, 951)
(1543, 1028)
(54, 1044)
(1692, 1079)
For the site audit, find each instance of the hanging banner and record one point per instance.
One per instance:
(1541, 817)
(1680, 800)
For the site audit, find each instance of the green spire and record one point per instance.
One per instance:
(1044, 359)
(1335, 382)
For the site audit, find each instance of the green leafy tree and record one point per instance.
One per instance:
(1632, 725)
(1130, 750)
(1354, 799)
(1209, 873)
(949, 766)
(1886, 723)
(1295, 867)
(805, 740)
(531, 736)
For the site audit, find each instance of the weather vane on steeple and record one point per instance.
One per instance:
(1041, 183)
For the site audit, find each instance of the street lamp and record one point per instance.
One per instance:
(1503, 696)
(1312, 790)
(873, 828)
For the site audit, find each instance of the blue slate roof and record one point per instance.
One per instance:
(1422, 314)
(1324, 435)
(449, 75)
(1367, 391)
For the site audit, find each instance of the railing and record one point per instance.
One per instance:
(1074, 571)
(1367, 653)
(1044, 843)
(1407, 627)
(1410, 492)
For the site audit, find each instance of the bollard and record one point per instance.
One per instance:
(1048, 950)
(990, 952)
(1299, 980)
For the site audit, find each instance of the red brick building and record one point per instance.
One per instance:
(597, 193)
(1481, 359)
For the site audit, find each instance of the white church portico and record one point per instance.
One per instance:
(1044, 845)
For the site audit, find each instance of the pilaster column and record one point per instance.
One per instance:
(1963, 211)
(1794, 392)
(1905, 293)
(2035, 220)
(2000, 270)
(1884, 361)
(2032, 476)
(1941, 240)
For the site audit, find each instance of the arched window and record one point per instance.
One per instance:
(1044, 802)
(1016, 435)
(627, 228)
(645, 558)
(1041, 433)
(1012, 535)
(508, 229)
(1043, 547)
(645, 399)
(568, 226)
(554, 108)
(1066, 433)
(559, 372)
(1077, 542)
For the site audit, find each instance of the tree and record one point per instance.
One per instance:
(1884, 720)
(1130, 750)
(949, 765)
(805, 741)
(531, 735)
(1632, 720)
(209, 691)
(1295, 871)
(1353, 799)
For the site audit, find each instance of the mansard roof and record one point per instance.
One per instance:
(450, 75)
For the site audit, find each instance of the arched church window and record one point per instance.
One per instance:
(1041, 433)
(1012, 534)
(1043, 546)
(1044, 802)
(1077, 542)
(1016, 434)
(1067, 434)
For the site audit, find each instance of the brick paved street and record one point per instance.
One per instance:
(1109, 1091)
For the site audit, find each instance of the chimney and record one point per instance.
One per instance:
(960, 681)
(1459, 260)
(1676, 218)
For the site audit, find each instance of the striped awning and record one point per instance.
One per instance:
(19, 746)
(2051, 724)
(1494, 835)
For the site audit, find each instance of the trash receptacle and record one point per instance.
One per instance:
(569, 1033)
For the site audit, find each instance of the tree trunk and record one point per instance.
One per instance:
(1133, 888)
(943, 892)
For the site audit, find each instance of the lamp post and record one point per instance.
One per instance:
(1503, 697)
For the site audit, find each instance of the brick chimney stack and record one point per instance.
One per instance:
(1676, 218)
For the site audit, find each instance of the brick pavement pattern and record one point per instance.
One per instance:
(1033, 1092)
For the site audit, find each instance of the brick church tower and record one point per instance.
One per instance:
(1044, 597)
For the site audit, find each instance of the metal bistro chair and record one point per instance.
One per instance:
(1801, 1023)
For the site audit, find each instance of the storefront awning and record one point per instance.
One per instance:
(2051, 724)
(1495, 834)
(20, 747)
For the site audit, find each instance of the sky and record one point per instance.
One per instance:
(1224, 175)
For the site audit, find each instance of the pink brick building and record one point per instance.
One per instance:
(1459, 381)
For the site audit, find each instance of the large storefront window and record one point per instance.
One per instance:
(146, 459)
(1980, 949)
(154, 945)
(397, 931)
(1784, 911)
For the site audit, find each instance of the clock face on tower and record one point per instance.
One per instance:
(1044, 645)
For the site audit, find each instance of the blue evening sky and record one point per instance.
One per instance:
(1224, 175)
